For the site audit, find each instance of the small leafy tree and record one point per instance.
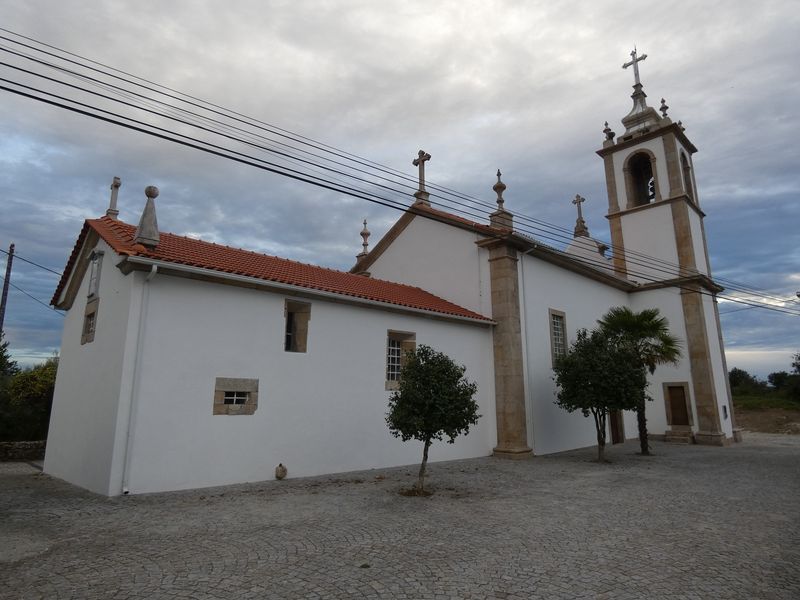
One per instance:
(647, 334)
(8, 368)
(433, 401)
(778, 379)
(743, 382)
(599, 375)
(30, 398)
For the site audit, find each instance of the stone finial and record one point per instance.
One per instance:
(664, 108)
(680, 124)
(147, 232)
(608, 133)
(365, 244)
(499, 188)
(112, 205)
(280, 472)
(581, 230)
(501, 217)
(421, 195)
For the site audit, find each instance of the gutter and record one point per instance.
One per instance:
(299, 290)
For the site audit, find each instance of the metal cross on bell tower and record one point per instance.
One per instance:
(634, 62)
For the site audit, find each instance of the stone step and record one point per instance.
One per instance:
(679, 437)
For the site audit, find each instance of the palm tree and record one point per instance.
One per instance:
(647, 332)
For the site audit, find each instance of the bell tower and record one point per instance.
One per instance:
(658, 240)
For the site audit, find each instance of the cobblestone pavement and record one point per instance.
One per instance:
(690, 522)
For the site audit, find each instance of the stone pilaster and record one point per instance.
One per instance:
(512, 435)
(705, 398)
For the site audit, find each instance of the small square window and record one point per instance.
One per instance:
(397, 345)
(235, 396)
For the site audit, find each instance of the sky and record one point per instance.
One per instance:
(524, 87)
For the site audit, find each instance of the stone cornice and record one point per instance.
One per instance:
(699, 279)
(535, 249)
(67, 296)
(666, 201)
(656, 132)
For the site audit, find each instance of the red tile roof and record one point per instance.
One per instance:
(197, 253)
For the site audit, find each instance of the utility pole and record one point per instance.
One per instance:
(6, 281)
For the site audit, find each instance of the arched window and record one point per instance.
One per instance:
(687, 176)
(642, 183)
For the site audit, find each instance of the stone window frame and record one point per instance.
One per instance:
(95, 266)
(402, 341)
(230, 385)
(552, 312)
(668, 405)
(297, 315)
(89, 320)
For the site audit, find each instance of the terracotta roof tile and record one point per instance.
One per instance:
(197, 253)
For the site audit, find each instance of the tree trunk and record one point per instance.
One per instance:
(421, 482)
(641, 421)
(600, 426)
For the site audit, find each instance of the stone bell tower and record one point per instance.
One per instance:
(658, 241)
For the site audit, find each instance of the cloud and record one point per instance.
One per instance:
(524, 87)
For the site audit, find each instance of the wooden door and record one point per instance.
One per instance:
(677, 405)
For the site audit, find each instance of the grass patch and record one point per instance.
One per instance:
(764, 401)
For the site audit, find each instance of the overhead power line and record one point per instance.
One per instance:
(32, 297)
(127, 93)
(268, 166)
(341, 179)
(27, 260)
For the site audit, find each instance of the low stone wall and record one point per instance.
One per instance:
(22, 450)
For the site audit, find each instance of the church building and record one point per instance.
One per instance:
(188, 364)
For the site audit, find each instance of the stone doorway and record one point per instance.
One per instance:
(679, 412)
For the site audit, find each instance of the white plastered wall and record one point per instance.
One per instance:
(441, 259)
(650, 233)
(80, 442)
(668, 302)
(319, 412)
(584, 301)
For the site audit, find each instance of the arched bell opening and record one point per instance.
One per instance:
(686, 169)
(640, 179)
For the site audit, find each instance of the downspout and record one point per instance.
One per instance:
(136, 377)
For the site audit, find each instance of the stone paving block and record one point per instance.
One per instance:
(689, 522)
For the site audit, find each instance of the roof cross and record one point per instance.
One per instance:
(422, 156)
(577, 202)
(580, 225)
(634, 62)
